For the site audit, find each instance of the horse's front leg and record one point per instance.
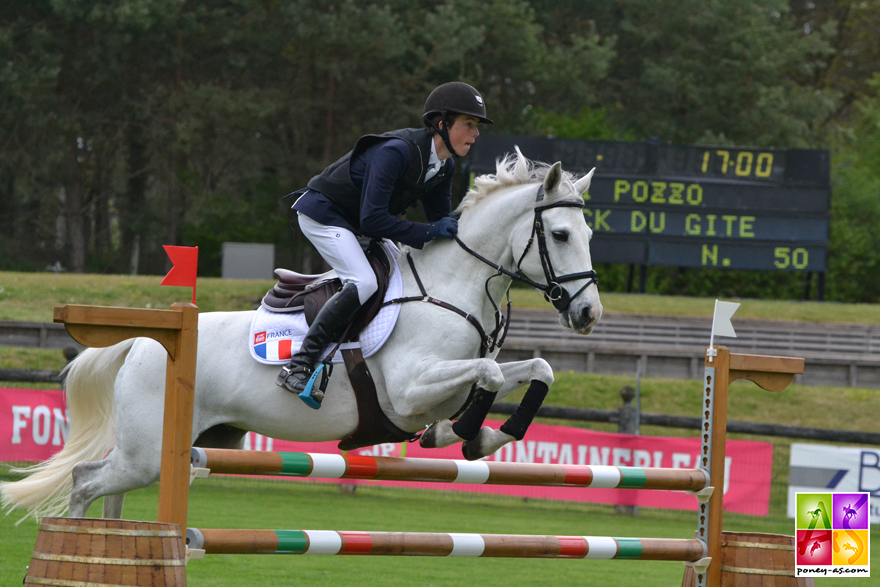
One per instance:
(481, 441)
(437, 381)
(538, 374)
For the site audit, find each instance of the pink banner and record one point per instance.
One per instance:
(33, 425)
(748, 465)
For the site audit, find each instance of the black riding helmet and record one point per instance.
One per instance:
(457, 98)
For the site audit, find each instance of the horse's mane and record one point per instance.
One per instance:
(511, 170)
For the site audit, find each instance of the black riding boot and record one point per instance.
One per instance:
(327, 326)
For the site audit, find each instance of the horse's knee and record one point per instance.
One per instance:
(83, 473)
(110, 476)
(489, 375)
(541, 371)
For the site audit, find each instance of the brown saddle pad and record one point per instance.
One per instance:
(308, 294)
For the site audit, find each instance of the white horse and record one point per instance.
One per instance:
(526, 219)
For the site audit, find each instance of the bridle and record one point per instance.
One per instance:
(553, 290)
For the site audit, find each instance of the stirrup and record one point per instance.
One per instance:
(313, 401)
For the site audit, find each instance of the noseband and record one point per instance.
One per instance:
(553, 290)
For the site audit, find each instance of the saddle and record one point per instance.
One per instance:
(296, 292)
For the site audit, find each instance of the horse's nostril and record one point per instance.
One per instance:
(585, 314)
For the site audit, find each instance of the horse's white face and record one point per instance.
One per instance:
(567, 239)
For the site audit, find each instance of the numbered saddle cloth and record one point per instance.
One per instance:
(275, 336)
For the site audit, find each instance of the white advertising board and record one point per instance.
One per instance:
(834, 469)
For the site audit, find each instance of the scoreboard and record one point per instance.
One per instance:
(691, 206)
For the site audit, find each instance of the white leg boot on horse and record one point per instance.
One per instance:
(329, 324)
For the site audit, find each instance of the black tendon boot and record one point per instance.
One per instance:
(327, 326)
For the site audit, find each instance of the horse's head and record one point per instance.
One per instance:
(556, 250)
(548, 240)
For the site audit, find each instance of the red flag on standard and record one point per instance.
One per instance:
(185, 262)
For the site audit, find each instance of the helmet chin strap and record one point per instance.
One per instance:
(444, 134)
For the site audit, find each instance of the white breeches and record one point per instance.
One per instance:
(344, 251)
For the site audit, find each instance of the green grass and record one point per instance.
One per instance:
(251, 503)
(32, 296)
(29, 358)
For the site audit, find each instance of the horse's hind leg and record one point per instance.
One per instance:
(135, 460)
(112, 509)
(111, 479)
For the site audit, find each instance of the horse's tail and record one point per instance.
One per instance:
(88, 385)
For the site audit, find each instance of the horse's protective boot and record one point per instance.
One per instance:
(299, 375)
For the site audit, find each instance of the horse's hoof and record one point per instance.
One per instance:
(438, 435)
(428, 438)
(471, 450)
(487, 442)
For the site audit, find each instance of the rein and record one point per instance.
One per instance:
(487, 342)
(553, 290)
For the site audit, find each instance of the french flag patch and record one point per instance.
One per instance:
(275, 350)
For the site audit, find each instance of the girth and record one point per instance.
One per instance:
(373, 426)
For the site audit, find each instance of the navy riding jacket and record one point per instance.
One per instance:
(389, 175)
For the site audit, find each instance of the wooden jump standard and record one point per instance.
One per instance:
(177, 330)
(437, 544)
(722, 367)
(332, 466)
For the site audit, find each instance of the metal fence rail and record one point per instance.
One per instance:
(835, 354)
(672, 347)
(44, 335)
(683, 333)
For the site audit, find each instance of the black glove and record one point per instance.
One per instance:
(443, 228)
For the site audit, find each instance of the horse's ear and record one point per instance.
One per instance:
(583, 184)
(554, 177)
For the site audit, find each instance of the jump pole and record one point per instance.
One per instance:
(177, 331)
(322, 542)
(333, 466)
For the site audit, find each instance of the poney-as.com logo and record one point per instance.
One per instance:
(833, 536)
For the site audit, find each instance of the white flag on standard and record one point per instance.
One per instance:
(721, 324)
(721, 321)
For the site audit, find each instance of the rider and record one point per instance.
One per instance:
(359, 197)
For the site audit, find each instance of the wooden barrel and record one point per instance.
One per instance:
(752, 559)
(85, 551)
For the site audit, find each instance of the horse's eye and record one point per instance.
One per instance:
(560, 236)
